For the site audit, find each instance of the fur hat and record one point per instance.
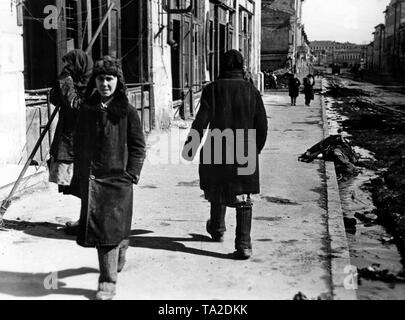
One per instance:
(108, 65)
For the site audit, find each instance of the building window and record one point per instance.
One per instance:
(245, 35)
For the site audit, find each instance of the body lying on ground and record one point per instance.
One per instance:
(337, 149)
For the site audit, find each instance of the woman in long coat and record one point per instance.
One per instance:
(68, 95)
(294, 89)
(233, 107)
(109, 155)
(309, 83)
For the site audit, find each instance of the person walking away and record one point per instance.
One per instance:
(109, 154)
(309, 83)
(267, 80)
(274, 84)
(361, 72)
(67, 94)
(293, 89)
(233, 107)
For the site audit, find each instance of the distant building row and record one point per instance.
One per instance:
(344, 54)
(386, 54)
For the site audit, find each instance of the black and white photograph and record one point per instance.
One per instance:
(202, 155)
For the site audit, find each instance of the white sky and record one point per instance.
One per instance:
(343, 20)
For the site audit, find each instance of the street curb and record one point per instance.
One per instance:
(341, 269)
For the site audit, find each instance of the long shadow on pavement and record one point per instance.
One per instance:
(49, 230)
(21, 284)
(39, 229)
(54, 231)
(174, 244)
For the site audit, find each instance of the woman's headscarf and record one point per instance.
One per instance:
(232, 61)
(79, 65)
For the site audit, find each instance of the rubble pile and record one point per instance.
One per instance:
(389, 197)
(374, 272)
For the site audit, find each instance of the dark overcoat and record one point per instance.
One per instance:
(109, 155)
(294, 87)
(230, 103)
(309, 88)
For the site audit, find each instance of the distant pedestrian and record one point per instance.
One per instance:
(294, 89)
(267, 83)
(230, 106)
(68, 94)
(309, 83)
(274, 84)
(361, 73)
(247, 75)
(109, 155)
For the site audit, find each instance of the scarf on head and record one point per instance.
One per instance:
(231, 64)
(79, 65)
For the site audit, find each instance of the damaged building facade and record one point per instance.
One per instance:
(284, 42)
(386, 53)
(169, 50)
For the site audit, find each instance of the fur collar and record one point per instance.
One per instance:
(116, 110)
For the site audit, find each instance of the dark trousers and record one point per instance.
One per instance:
(293, 101)
(308, 100)
(108, 258)
(243, 223)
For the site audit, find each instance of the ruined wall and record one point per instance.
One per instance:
(12, 104)
(277, 32)
(276, 29)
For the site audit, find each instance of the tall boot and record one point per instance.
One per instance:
(216, 224)
(243, 244)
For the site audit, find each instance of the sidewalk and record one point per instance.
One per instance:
(33, 178)
(171, 256)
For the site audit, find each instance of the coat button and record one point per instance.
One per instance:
(92, 177)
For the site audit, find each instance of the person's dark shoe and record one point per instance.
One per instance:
(71, 228)
(243, 254)
(106, 291)
(214, 237)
